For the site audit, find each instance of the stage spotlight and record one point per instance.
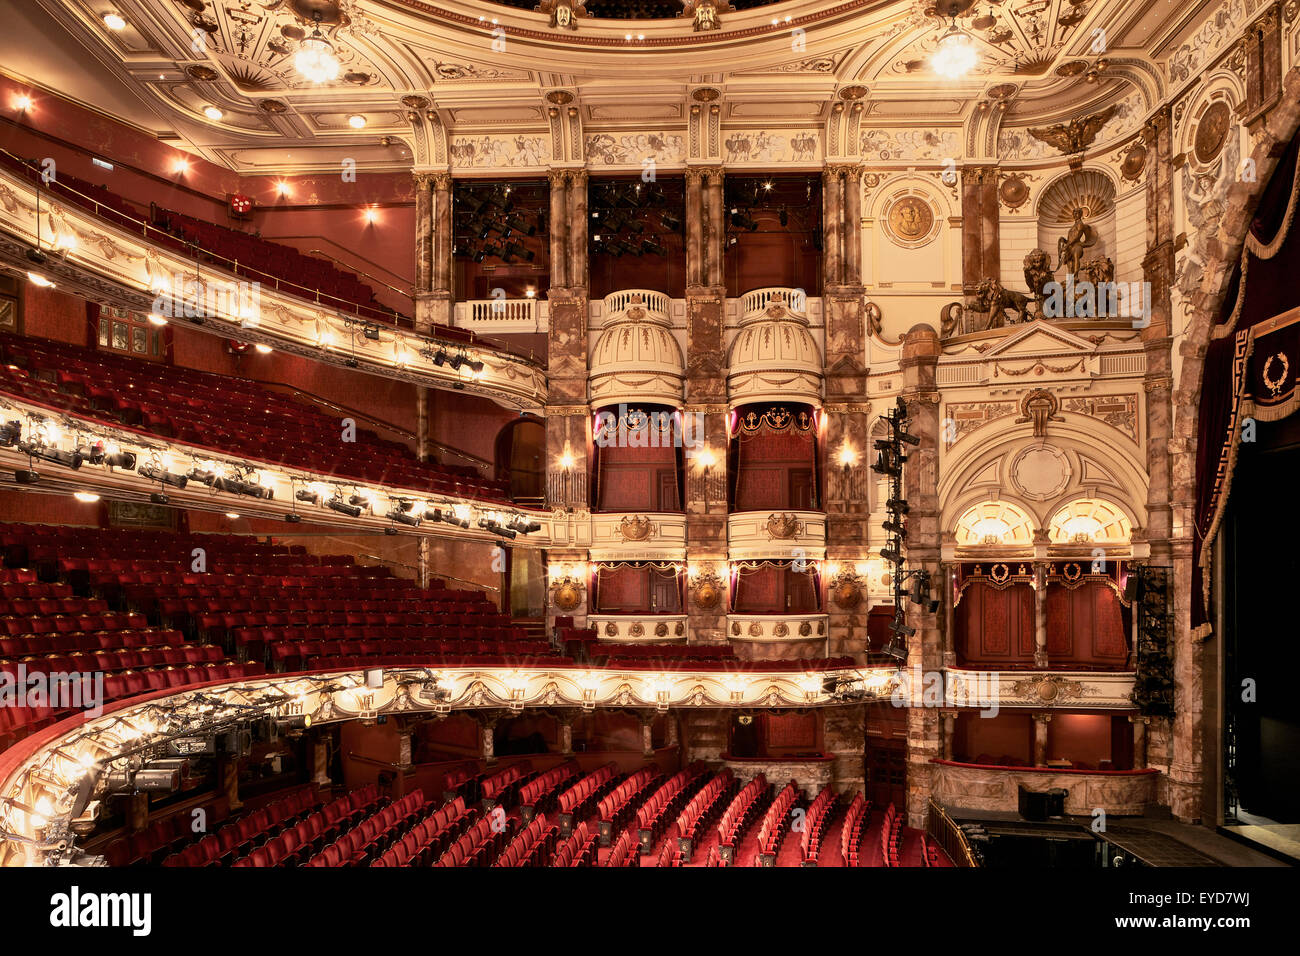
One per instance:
(201, 476)
(650, 247)
(157, 473)
(897, 505)
(524, 525)
(237, 486)
(158, 498)
(670, 222)
(475, 366)
(439, 357)
(886, 465)
(26, 477)
(343, 508)
(456, 361)
(519, 224)
(891, 555)
(293, 517)
(743, 220)
(519, 252)
(96, 455)
(401, 517)
(893, 527)
(10, 433)
(70, 459)
(910, 439)
(488, 524)
(304, 494)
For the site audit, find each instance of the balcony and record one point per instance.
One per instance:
(984, 787)
(656, 303)
(639, 628)
(777, 627)
(780, 534)
(502, 316)
(755, 302)
(638, 537)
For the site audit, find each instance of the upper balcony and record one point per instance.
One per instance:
(502, 316)
(755, 302)
(786, 534)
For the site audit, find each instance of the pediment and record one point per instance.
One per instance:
(1040, 338)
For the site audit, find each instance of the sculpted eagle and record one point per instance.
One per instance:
(1076, 135)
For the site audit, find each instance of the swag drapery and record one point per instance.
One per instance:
(1251, 363)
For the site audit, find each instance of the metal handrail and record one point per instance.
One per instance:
(950, 836)
(362, 272)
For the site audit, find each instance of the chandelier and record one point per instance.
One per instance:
(315, 59)
(954, 57)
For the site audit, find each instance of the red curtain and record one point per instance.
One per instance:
(995, 626)
(1085, 625)
(764, 467)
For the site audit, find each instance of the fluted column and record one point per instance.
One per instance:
(578, 229)
(559, 226)
(694, 228)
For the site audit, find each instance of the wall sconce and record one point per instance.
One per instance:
(661, 690)
(705, 459)
(736, 690)
(588, 684)
(847, 457)
(811, 685)
(517, 684)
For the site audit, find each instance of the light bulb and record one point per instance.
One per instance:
(955, 57)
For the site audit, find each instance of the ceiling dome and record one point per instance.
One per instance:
(636, 359)
(774, 358)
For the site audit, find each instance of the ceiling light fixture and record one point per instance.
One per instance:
(315, 59)
(85, 497)
(212, 113)
(114, 21)
(357, 121)
(36, 279)
(264, 349)
(955, 56)
(22, 103)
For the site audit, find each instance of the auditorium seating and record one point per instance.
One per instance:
(706, 805)
(624, 851)
(815, 821)
(219, 413)
(578, 849)
(615, 809)
(534, 844)
(540, 793)
(742, 810)
(890, 836)
(776, 820)
(664, 803)
(577, 801)
(855, 818)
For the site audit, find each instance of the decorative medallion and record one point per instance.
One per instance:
(661, 629)
(783, 526)
(707, 595)
(705, 94)
(853, 92)
(1073, 572)
(273, 106)
(999, 573)
(1135, 160)
(679, 629)
(200, 72)
(567, 597)
(1275, 384)
(559, 97)
(805, 628)
(415, 102)
(847, 594)
(611, 629)
(910, 222)
(1013, 192)
(1040, 472)
(635, 527)
(781, 630)
(755, 629)
(735, 629)
(636, 630)
(1212, 132)
(1048, 689)
(1073, 68)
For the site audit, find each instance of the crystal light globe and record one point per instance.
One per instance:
(316, 60)
(955, 56)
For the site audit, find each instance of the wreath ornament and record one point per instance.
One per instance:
(1275, 384)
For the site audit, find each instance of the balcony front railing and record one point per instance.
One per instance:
(654, 302)
(756, 301)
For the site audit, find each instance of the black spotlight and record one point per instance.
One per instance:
(897, 505)
(26, 477)
(201, 476)
(308, 496)
(71, 459)
(893, 527)
(401, 517)
(293, 517)
(158, 498)
(10, 433)
(158, 473)
(343, 508)
(670, 222)
(743, 220)
(371, 332)
(475, 366)
(456, 361)
(519, 252)
(890, 555)
(439, 357)
(650, 247)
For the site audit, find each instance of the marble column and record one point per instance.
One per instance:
(919, 364)
(943, 591)
(981, 248)
(1157, 383)
(441, 297)
(843, 731)
(320, 763)
(717, 238)
(832, 216)
(577, 206)
(558, 223)
(487, 739)
(853, 225)
(1040, 739)
(424, 230)
(694, 228)
(1040, 615)
(846, 507)
(647, 735)
(566, 734)
(1139, 741)
(948, 722)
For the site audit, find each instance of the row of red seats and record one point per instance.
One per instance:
(497, 784)
(534, 844)
(664, 804)
(481, 843)
(814, 824)
(32, 590)
(540, 792)
(106, 661)
(777, 818)
(578, 849)
(88, 642)
(219, 413)
(624, 851)
(424, 842)
(72, 623)
(241, 836)
(891, 834)
(616, 807)
(580, 794)
(855, 818)
(669, 854)
(349, 843)
(168, 834)
(698, 812)
(741, 810)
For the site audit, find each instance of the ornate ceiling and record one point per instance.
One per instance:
(430, 76)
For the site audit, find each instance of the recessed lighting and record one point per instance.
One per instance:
(627, 36)
(282, 188)
(22, 103)
(85, 497)
(36, 279)
(372, 216)
(212, 113)
(180, 166)
(264, 349)
(357, 121)
(156, 319)
(232, 514)
(114, 21)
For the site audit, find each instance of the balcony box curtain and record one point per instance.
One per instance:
(774, 458)
(776, 587)
(637, 459)
(637, 587)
